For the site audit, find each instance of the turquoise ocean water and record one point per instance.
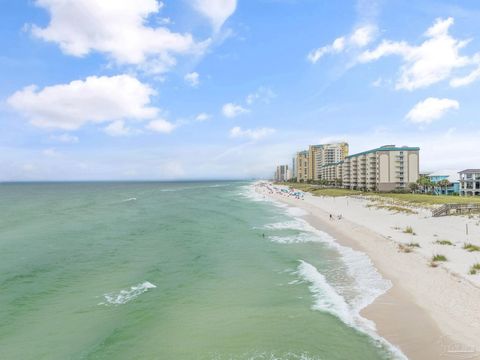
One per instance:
(193, 270)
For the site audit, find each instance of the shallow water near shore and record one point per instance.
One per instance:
(191, 270)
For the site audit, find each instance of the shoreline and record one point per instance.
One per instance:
(429, 313)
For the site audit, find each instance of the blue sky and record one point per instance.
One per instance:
(143, 89)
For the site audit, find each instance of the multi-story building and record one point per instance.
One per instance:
(301, 166)
(437, 178)
(313, 155)
(470, 182)
(333, 173)
(382, 169)
(282, 173)
(293, 172)
(324, 154)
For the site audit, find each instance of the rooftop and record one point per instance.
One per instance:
(470, 171)
(386, 148)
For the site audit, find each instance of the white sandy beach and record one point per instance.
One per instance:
(430, 312)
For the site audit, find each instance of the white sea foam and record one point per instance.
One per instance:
(125, 296)
(249, 192)
(369, 284)
(325, 296)
(130, 199)
(294, 211)
(335, 298)
(292, 239)
(267, 356)
(327, 299)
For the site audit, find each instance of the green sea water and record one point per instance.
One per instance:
(193, 270)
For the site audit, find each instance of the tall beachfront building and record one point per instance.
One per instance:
(301, 166)
(382, 169)
(282, 173)
(324, 154)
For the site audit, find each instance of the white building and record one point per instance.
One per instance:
(470, 182)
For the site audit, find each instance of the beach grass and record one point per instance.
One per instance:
(404, 248)
(409, 230)
(470, 247)
(400, 198)
(393, 208)
(322, 191)
(424, 199)
(444, 242)
(474, 269)
(439, 257)
(407, 248)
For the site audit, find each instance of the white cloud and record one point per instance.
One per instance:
(93, 100)
(118, 128)
(161, 126)
(337, 46)
(231, 110)
(428, 63)
(192, 79)
(116, 28)
(51, 152)
(65, 138)
(263, 94)
(471, 77)
(254, 134)
(217, 11)
(202, 117)
(377, 83)
(431, 109)
(361, 37)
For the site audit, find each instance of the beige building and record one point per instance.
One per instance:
(301, 166)
(324, 154)
(313, 151)
(383, 169)
(333, 173)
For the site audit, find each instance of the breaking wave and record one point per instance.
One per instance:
(124, 296)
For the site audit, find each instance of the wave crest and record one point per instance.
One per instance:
(125, 296)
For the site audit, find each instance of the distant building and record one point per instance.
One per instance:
(301, 166)
(382, 169)
(437, 177)
(470, 182)
(294, 168)
(282, 173)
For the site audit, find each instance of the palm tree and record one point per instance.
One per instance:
(424, 182)
(445, 184)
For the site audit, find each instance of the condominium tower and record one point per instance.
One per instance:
(301, 166)
(382, 169)
(324, 154)
(282, 173)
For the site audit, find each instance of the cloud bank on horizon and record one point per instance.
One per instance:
(148, 89)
